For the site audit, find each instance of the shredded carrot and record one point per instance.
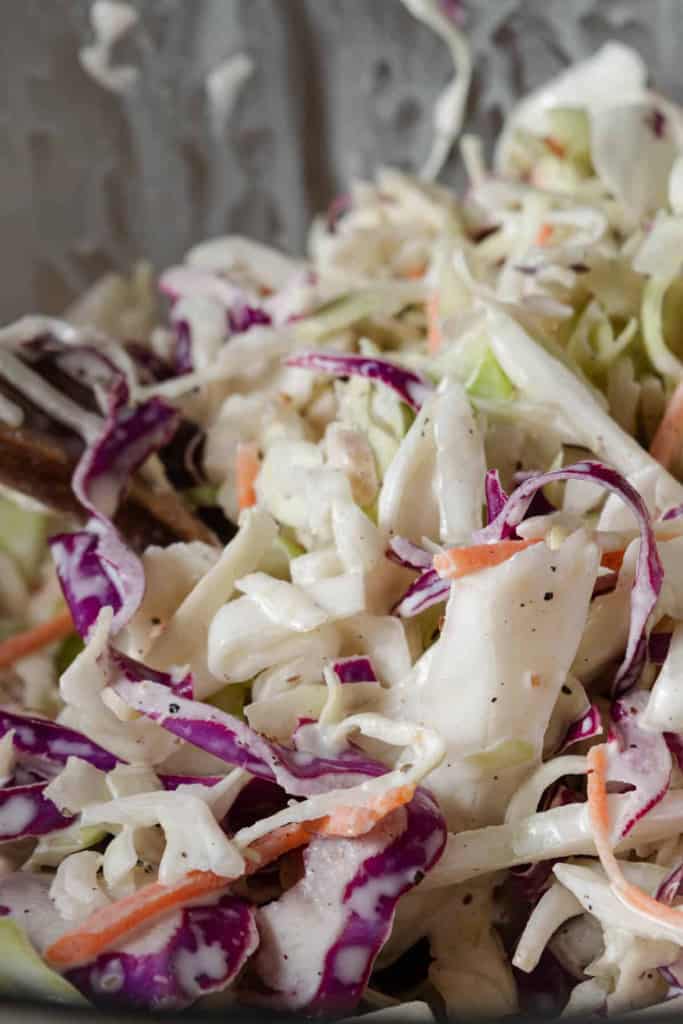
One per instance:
(114, 922)
(612, 560)
(631, 895)
(21, 644)
(545, 233)
(457, 562)
(415, 272)
(434, 335)
(110, 923)
(667, 442)
(555, 146)
(356, 821)
(248, 466)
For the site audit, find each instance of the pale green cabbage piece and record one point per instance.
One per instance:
(24, 975)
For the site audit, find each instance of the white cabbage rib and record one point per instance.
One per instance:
(558, 833)
(491, 696)
(185, 639)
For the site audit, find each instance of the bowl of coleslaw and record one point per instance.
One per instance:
(340, 644)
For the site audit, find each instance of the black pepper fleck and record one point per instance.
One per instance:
(173, 709)
(548, 596)
(566, 690)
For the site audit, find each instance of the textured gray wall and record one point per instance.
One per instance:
(89, 179)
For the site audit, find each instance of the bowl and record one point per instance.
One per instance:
(246, 116)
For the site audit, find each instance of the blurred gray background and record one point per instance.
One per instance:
(91, 179)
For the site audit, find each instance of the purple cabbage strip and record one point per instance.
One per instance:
(403, 552)
(26, 811)
(584, 728)
(376, 882)
(182, 354)
(411, 387)
(357, 669)
(605, 583)
(671, 888)
(151, 368)
(637, 757)
(135, 672)
(658, 647)
(205, 950)
(649, 572)
(243, 316)
(656, 121)
(88, 581)
(230, 739)
(673, 513)
(540, 506)
(427, 590)
(129, 436)
(496, 497)
(368, 876)
(41, 738)
(454, 10)
(95, 567)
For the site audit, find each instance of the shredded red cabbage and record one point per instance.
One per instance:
(411, 387)
(673, 513)
(95, 567)
(134, 671)
(408, 555)
(26, 811)
(584, 728)
(495, 495)
(427, 590)
(198, 950)
(671, 888)
(182, 353)
(605, 583)
(357, 669)
(299, 773)
(41, 738)
(638, 758)
(649, 571)
(242, 317)
(362, 879)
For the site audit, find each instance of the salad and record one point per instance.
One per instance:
(341, 665)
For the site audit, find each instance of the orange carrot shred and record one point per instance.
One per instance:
(114, 922)
(668, 439)
(21, 644)
(545, 233)
(108, 924)
(415, 272)
(555, 146)
(248, 466)
(457, 562)
(612, 560)
(631, 895)
(434, 335)
(356, 821)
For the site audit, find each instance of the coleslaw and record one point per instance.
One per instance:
(416, 687)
